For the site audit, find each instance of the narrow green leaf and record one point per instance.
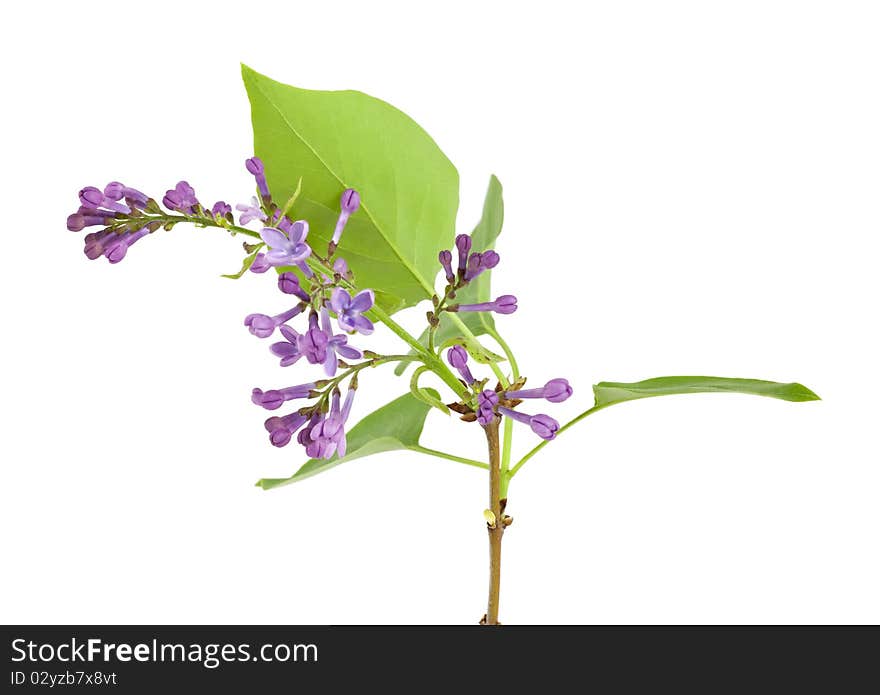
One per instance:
(245, 266)
(397, 425)
(337, 140)
(484, 236)
(612, 392)
(609, 392)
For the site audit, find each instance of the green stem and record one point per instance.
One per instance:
(449, 457)
(570, 423)
(507, 442)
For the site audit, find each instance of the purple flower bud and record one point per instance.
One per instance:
(555, 391)
(313, 343)
(457, 356)
(181, 198)
(349, 202)
(274, 399)
(479, 263)
(289, 284)
(263, 326)
(221, 209)
(505, 304)
(542, 425)
(115, 249)
(282, 429)
(113, 190)
(79, 221)
(486, 402)
(255, 166)
(135, 197)
(445, 258)
(91, 197)
(463, 244)
(94, 243)
(260, 264)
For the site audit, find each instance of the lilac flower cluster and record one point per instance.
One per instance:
(127, 215)
(489, 404)
(319, 427)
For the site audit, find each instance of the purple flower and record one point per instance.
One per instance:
(260, 264)
(463, 244)
(250, 212)
(555, 391)
(263, 326)
(289, 349)
(181, 198)
(445, 258)
(479, 263)
(289, 284)
(274, 399)
(328, 435)
(542, 425)
(282, 429)
(486, 402)
(505, 304)
(349, 202)
(349, 312)
(255, 166)
(335, 344)
(287, 249)
(458, 357)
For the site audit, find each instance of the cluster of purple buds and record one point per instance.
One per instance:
(500, 402)
(116, 209)
(127, 215)
(470, 265)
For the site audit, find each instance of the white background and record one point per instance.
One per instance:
(694, 188)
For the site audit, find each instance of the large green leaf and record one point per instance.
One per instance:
(337, 140)
(610, 392)
(484, 236)
(397, 425)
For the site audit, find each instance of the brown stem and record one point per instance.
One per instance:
(496, 528)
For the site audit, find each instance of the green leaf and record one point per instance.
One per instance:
(245, 265)
(484, 236)
(610, 392)
(337, 140)
(397, 425)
